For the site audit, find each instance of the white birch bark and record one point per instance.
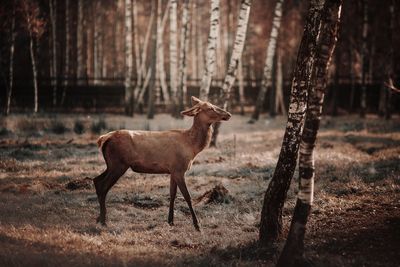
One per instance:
(237, 50)
(136, 46)
(267, 72)
(128, 57)
(53, 20)
(184, 43)
(11, 62)
(200, 50)
(157, 89)
(173, 50)
(193, 44)
(211, 51)
(34, 72)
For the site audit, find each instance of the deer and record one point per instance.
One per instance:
(158, 152)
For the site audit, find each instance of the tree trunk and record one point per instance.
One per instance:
(271, 215)
(138, 59)
(193, 36)
(200, 51)
(279, 101)
(173, 54)
(293, 252)
(81, 61)
(364, 60)
(128, 59)
(241, 87)
(234, 62)
(184, 45)
(11, 62)
(157, 92)
(152, 86)
(267, 73)
(67, 50)
(34, 72)
(211, 51)
(163, 78)
(54, 74)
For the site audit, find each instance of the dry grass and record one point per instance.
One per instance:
(355, 219)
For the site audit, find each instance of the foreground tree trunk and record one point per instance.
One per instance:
(293, 252)
(267, 73)
(271, 215)
(184, 45)
(54, 74)
(11, 62)
(234, 62)
(209, 68)
(128, 59)
(364, 60)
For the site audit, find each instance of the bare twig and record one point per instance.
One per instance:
(391, 86)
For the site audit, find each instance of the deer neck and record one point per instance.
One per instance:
(200, 135)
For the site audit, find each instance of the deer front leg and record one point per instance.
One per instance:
(172, 195)
(180, 181)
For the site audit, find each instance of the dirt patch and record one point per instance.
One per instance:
(85, 183)
(219, 194)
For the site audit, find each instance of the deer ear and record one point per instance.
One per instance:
(191, 111)
(195, 101)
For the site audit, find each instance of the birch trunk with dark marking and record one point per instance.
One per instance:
(209, 67)
(54, 74)
(364, 60)
(230, 77)
(163, 78)
(67, 51)
(128, 59)
(80, 61)
(271, 215)
(183, 46)
(173, 53)
(267, 72)
(11, 60)
(293, 252)
(34, 73)
(152, 86)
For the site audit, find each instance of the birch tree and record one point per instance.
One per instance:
(234, 61)
(184, 46)
(267, 73)
(271, 215)
(11, 59)
(279, 101)
(138, 58)
(67, 51)
(152, 86)
(173, 52)
(293, 251)
(128, 58)
(364, 61)
(54, 74)
(209, 67)
(34, 25)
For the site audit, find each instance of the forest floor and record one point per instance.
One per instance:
(48, 206)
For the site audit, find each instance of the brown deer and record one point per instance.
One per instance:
(163, 152)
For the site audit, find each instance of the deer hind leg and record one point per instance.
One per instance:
(103, 183)
(180, 181)
(172, 194)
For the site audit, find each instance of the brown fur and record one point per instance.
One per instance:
(167, 152)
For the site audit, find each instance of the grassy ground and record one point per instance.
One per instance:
(48, 205)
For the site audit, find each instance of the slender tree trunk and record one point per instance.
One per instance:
(34, 72)
(173, 54)
(241, 87)
(280, 103)
(67, 51)
(193, 36)
(211, 51)
(271, 215)
(184, 45)
(234, 62)
(81, 61)
(293, 252)
(128, 59)
(200, 51)
(152, 86)
(157, 92)
(160, 50)
(267, 73)
(53, 19)
(11, 62)
(138, 59)
(364, 61)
